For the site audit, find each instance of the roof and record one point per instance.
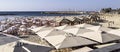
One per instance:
(4, 39)
(32, 48)
(100, 36)
(116, 32)
(64, 41)
(105, 45)
(108, 48)
(37, 29)
(70, 18)
(83, 49)
(83, 25)
(61, 19)
(23, 47)
(61, 27)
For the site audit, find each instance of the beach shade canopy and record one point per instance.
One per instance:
(3, 27)
(10, 29)
(83, 25)
(112, 48)
(83, 49)
(67, 40)
(118, 29)
(100, 36)
(78, 29)
(99, 28)
(115, 32)
(37, 29)
(50, 32)
(23, 47)
(4, 39)
(61, 27)
(33, 26)
(104, 45)
(74, 30)
(92, 27)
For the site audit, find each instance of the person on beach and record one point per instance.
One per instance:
(23, 31)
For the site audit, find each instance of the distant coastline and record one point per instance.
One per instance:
(39, 13)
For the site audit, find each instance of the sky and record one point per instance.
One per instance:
(57, 5)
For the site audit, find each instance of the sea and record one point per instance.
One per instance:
(10, 14)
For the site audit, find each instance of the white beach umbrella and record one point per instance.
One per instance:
(118, 29)
(104, 45)
(33, 26)
(77, 28)
(67, 40)
(83, 25)
(61, 39)
(9, 43)
(37, 29)
(24, 23)
(99, 28)
(22, 26)
(10, 29)
(61, 27)
(50, 32)
(22, 29)
(83, 49)
(84, 28)
(76, 31)
(7, 47)
(20, 46)
(5, 38)
(115, 32)
(3, 22)
(100, 36)
(3, 27)
(112, 48)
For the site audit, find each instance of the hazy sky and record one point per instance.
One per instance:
(48, 5)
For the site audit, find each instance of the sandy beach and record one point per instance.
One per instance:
(111, 17)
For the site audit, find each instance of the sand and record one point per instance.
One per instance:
(111, 17)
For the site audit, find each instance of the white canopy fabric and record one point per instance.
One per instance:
(61, 27)
(100, 36)
(95, 28)
(99, 28)
(112, 48)
(3, 27)
(83, 49)
(115, 32)
(50, 32)
(92, 27)
(67, 40)
(72, 30)
(105, 45)
(10, 29)
(9, 43)
(32, 27)
(83, 25)
(5, 38)
(24, 46)
(7, 47)
(118, 29)
(77, 31)
(22, 26)
(42, 34)
(37, 29)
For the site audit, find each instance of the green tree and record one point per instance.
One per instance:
(106, 10)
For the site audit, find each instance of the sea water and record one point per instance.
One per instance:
(4, 15)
